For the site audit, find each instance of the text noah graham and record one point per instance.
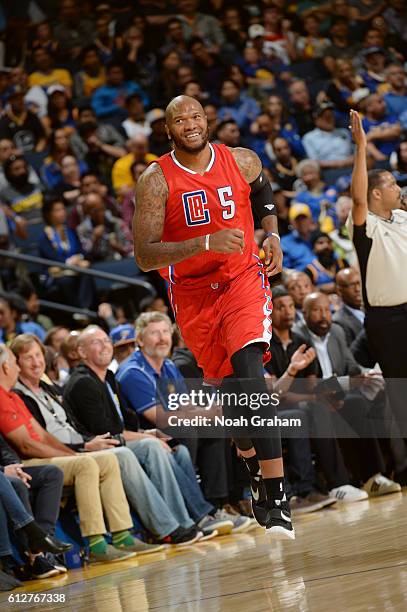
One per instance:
(222, 421)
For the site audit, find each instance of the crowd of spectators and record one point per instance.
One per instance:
(83, 88)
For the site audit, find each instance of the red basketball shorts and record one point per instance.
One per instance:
(217, 321)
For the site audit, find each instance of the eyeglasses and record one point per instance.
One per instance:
(100, 342)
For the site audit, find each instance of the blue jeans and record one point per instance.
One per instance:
(185, 474)
(151, 487)
(11, 508)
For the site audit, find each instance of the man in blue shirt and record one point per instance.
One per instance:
(382, 130)
(146, 380)
(396, 97)
(297, 246)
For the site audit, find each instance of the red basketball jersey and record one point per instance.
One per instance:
(199, 205)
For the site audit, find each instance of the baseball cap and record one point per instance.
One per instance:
(256, 30)
(298, 210)
(54, 88)
(321, 108)
(371, 50)
(154, 115)
(123, 334)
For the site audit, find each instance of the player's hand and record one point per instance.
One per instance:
(227, 241)
(273, 259)
(356, 127)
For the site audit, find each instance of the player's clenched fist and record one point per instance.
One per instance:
(227, 241)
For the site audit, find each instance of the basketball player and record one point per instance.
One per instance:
(193, 222)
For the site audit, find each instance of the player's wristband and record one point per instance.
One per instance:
(207, 242)
(268, 234)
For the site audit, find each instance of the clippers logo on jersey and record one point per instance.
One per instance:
(195, 209)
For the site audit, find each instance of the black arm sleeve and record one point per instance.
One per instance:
(261, 197)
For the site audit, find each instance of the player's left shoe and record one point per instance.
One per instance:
(259, 500)
(279, 524)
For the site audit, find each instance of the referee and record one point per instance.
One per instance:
(379, 229)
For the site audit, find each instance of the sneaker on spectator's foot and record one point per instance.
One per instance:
(348, 494)
(380, 485)
(56, 561)
(111, 555)
(42, 568)
(259, 499)
(240, 523)
(217, 523)
(141, 548)
(279, 524)
(323, 500)
(182, 537)
(302, 505)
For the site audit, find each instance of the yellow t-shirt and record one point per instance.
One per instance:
(121, 173)
(58, 76)
(90, 83)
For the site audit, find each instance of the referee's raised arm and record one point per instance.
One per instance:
(359, 183)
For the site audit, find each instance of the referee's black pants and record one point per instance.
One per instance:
(386, 329)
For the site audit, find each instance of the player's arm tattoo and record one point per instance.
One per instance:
(248, 162)
(148, 225)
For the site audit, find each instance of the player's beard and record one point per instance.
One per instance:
(182, 146)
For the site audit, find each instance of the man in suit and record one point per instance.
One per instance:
(335, 361)
(350, 316)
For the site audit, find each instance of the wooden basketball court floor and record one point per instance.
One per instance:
(350, 558)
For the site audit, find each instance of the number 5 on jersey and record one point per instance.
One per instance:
(196, 212)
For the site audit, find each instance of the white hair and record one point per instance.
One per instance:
(307, 162)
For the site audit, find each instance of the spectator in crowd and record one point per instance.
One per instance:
(72, 32)
(236, 106)
(284, 167)
(350, 316)
(158, 143)
(301, 106)
(109, 101)
(90, 183)
(228, 133)
(89, 395)
(293, 370)
(234, 30)
(315, 193)
(374, 73)
(59, 111)
(396, 96)
(27, 291)
(105, 133)
(341, 46)
(59, 148)
(278, 39)
(102, 236)
(69, 187)
(175, 41)
(399, 164)
(127, 208)
(165, 85)
(21, 125)
(17, 512)
(297, 247)
(44, 38)
(123, 339)
(12, 309)
(39, 489)
(91, 76)
(136, 122)
(139, 379)
(69, 352)
(96, 477)
(104, 40)
(194, 23)
(382, 129)
(339, 235)
(46, 74)
(311, 45)
(329, 145)
(346, 88)
(122, 178)
(299, 285)
(323, 268)
(335, 359)
(99, 155)
(58, 242)
(7, 149)
(137, 61)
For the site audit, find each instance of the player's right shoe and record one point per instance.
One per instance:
(279, 524)
(259, 499)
